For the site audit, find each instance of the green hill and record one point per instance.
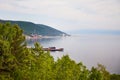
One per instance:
(40, 29)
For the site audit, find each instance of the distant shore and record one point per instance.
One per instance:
(40, 37)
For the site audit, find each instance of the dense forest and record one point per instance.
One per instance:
(40, 29)
(17, 62)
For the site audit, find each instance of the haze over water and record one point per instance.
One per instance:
(88, 48)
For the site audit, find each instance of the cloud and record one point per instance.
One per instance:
(69, 14)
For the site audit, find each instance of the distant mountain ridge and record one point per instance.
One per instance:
(32, 28)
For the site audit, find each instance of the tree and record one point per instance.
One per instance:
(104, 72)
(66, 69)
(42, 67)
(14, 35)
(99, 73)
(84, 72)
(115, 77)
(12, 50)
(7, 64)
(95, 74)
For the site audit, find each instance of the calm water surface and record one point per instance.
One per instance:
(89, 49)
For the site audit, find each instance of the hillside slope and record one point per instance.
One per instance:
(40, 29)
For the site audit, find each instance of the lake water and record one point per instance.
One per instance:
(89, 49)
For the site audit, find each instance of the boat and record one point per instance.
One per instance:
(53, 49)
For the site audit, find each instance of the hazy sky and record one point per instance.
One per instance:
(65, 15)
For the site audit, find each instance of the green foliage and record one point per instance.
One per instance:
(42, 67)
(84, 72)
(99, 73)
(95, 74)
(66, 69)
(115, 77)
(17, 62)
(12, 50)
(104, 72)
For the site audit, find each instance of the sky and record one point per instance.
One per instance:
(65, 15)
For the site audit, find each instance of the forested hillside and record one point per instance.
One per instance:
(17, 62)
(33, 28)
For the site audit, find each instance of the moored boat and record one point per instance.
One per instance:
(53, 49)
